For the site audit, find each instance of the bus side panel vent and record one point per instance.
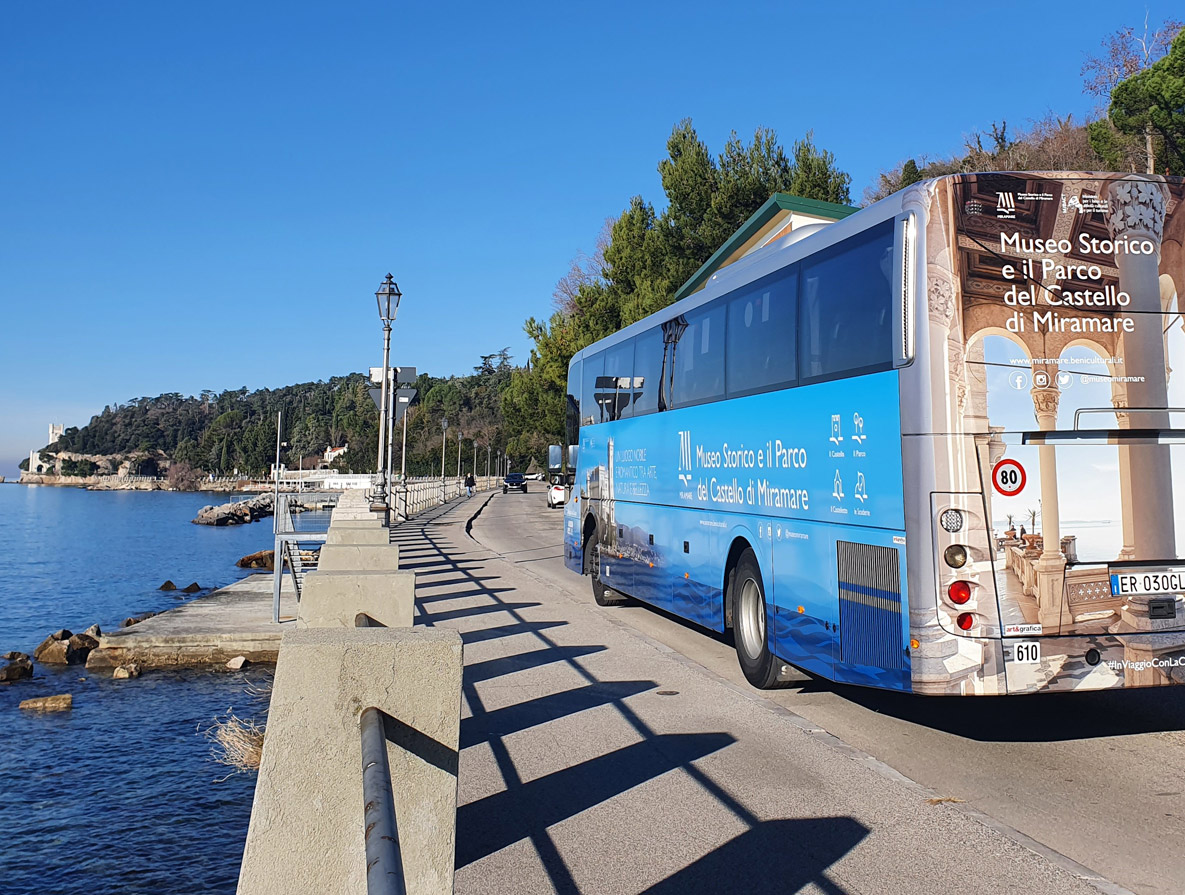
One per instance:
(869, 606)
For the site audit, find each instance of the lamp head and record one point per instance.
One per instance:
(388, 296)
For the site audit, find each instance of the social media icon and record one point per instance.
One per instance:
(1064, 379)
(1018, 381)
(1041, 379)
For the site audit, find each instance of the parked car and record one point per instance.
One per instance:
(514, 480)
(557, 495)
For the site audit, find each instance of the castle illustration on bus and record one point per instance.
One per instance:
(933, 445)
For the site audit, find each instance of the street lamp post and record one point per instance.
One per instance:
(403, 463)
(387, 296)
(458, 453)
(443, 444)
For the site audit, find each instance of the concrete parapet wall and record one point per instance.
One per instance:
(359, 558)
(361, 535)
(334, 599)
(307, 833)
(358, 515)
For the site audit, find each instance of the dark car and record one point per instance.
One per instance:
(514, 480)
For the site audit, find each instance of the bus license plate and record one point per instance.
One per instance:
(1027, 652)
(1151, 581)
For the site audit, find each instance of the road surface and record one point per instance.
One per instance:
(1096, 777)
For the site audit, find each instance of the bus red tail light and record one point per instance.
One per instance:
(965, 620)
(959, 593)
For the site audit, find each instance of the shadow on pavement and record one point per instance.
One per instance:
(527, 810)
(451, 614)
(492, 668)
(523, 715)
(774, 857)
(483, 634)
(1037, 718)
(770, 856)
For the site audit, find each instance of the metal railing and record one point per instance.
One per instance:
(299, 537)
(419, 494)
(384, 858)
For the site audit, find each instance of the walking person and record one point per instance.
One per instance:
(470, 483)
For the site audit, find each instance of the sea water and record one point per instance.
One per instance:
(120, 794)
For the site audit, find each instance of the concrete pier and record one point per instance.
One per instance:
(211, 630)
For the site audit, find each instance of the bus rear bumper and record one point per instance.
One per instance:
(1022, 665)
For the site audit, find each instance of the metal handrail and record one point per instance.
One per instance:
(384, 858)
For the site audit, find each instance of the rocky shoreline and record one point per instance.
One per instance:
(125, 483)
(240, 512)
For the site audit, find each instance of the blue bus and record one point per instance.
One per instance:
(928, 447)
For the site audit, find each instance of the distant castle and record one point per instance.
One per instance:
(35, 464)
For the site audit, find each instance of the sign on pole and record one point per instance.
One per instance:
(400, 375)
(403, 399)
(376, 395)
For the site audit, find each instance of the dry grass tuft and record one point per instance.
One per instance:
(943, 800)
(236, 743)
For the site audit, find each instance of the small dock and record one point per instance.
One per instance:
(232, 621)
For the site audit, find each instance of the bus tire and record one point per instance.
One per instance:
(750, 623)
(604, 596)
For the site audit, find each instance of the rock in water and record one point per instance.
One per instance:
(191, 588)
(79, 647)
(237, 663)
(93, 631)
(264, 559)
(19, 666)
(55, 649)
(60, 703)
(135, 619)
(168, 585)
(237, 513)
(123, 672)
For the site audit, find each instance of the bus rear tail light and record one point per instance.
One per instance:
(965, 621)
(959, 593)
(955, 556)
(951, 520)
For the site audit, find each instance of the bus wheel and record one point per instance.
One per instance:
(592, 567)
(749, 624)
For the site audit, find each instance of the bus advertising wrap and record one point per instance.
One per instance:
(1054, 328)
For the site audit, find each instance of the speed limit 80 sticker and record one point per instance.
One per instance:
(1008, 477)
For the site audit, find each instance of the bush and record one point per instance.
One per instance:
(79, 467)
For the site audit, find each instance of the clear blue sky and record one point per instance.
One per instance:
(207, 195)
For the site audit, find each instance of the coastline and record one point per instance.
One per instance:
(136, 483)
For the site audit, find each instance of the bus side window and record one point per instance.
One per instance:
(698, 358)
(590, 410)
(761, 343)
(572, 406)
(648, 368)
(845, 323)
(619, 366)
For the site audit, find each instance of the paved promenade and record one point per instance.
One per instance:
(597, 760)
